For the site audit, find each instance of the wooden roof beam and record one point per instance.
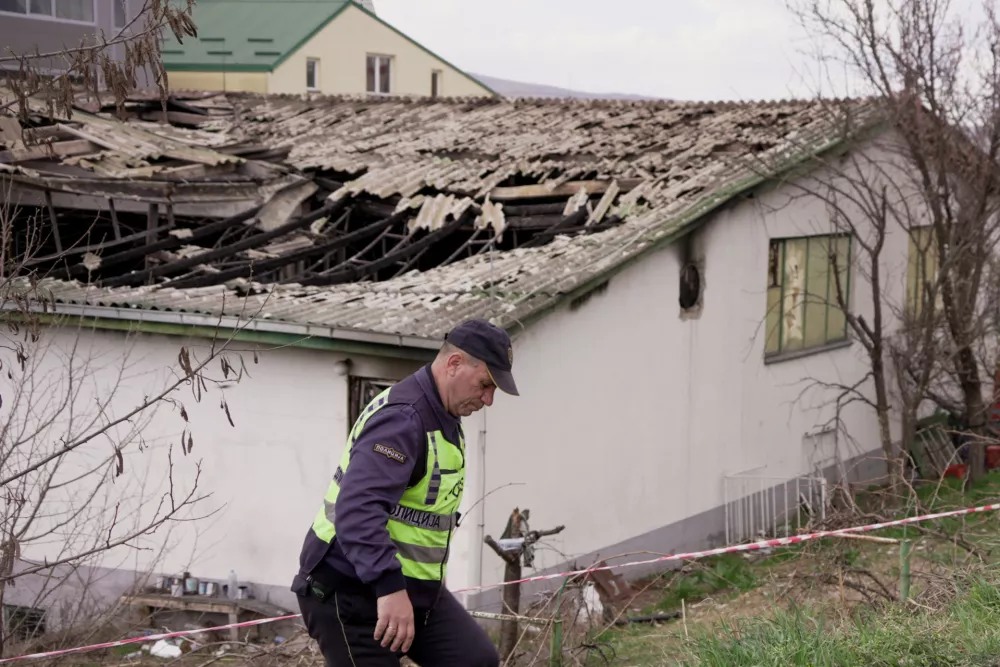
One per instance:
(261, 266)
(403, 251)
(574, 219)
(255, 241)
(170, 242)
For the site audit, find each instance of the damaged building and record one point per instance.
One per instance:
(628, 247)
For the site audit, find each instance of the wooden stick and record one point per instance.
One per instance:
(509, 617)
(869, 538)
(54, 220)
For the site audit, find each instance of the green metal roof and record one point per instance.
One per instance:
(247, 35)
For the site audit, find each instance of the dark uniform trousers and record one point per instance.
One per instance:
(343, 623)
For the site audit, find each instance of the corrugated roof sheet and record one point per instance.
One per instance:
(97, 154)
(688, 158)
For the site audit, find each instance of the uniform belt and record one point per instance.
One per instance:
(325, 579)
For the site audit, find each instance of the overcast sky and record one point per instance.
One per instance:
(680, 49)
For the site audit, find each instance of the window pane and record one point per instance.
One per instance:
(913, 273)
(773, 321)
(924, 266)
(119, 13)
(818, 300)
(932, 268)
(794, 277)
(919, 268)
(78, 10)
(310, 74)
(933, 258)
(18, 6)
(371, 74)
(383, 75)
(837, 324)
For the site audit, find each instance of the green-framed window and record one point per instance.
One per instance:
(922, 269)
(802, 307)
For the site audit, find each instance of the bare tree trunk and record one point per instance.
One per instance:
(512, 557)
(975, 411)
(876, 352)
(511, 605)
(3, 624)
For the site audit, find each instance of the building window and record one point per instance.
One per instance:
(379, 74)
(312, 74)
(361, 391)
(70, 10)
(23, 623)
(120, 14)
(923, 262)
(803, 311)
(435, 83)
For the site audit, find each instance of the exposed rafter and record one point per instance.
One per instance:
(141, 277)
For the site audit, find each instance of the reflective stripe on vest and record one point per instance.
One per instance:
(420, 524)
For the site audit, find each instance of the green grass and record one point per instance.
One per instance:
(966, 633)
(729, 573)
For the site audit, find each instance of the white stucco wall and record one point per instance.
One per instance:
(630, 416)
(264, 477)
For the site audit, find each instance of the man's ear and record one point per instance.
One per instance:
(454, 363)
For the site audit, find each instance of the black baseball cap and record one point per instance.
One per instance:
(491, 345)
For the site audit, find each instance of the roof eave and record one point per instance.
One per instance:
(216, 67)
(224, 327)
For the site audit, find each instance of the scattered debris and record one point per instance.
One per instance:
(165, 648)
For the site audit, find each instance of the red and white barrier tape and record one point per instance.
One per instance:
(753, 546)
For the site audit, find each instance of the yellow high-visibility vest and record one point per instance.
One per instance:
(421, 524)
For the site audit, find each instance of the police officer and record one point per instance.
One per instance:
(371, 573)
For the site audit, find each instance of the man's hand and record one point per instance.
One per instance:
(395, 621)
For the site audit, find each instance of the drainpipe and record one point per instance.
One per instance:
(481, 526)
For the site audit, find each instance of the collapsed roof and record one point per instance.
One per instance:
(391, 215)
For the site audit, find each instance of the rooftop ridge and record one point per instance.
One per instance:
(336, 98)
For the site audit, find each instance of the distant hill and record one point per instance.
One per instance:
(509, 88)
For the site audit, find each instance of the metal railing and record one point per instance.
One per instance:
(760, 506)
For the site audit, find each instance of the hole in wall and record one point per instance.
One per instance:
(690, 282)
(690, 286)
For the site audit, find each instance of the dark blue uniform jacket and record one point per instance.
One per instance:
(361, 554)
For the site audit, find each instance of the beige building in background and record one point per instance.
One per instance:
(332, 47)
